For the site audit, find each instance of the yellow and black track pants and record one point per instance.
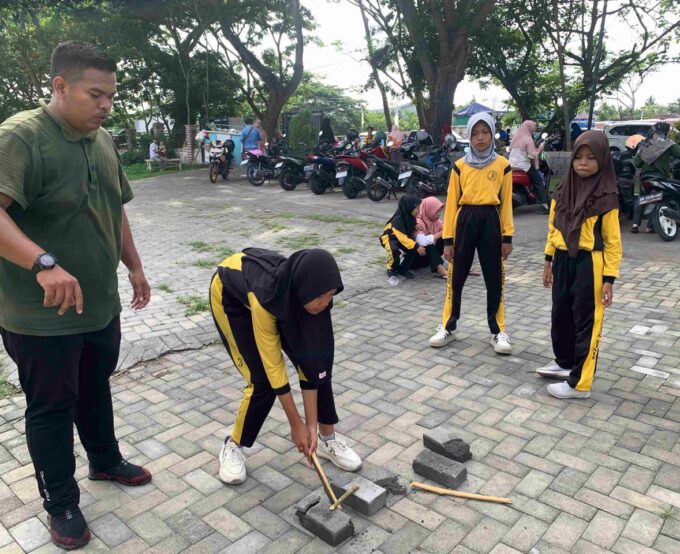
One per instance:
(478, 228)
(235, 326)
(394, 248)
(577, 314)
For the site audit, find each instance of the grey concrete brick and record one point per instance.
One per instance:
(643, 527)
(367, 500)
(406, 540)
(30, 534)
(333, 527)
(604, 529)
(485, 535)
(252, 542)
(439, 469)
(565, 531)
(439, 440)
(111, 530)
(525, 533)
(265, 521)
(189, 526)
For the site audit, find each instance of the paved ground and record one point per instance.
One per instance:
(589, 476)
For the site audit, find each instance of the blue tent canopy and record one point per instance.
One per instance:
(472, 109)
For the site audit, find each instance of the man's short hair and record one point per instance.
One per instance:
(248, 120)
(71, 58)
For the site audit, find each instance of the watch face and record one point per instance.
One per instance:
(47, 260)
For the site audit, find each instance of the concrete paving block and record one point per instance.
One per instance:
(333, 527)
(367, 500)
(439, 440)
(393, 485)
(439, 469)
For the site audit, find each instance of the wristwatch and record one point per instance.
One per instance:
(44, 261)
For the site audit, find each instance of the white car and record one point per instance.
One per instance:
(617, 133)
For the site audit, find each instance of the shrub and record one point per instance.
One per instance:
(301, 132)
(133, 157)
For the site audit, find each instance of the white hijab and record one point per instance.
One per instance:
(472, 156)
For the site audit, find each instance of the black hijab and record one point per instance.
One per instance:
(283, 286)
(403, 220)
(327, 134)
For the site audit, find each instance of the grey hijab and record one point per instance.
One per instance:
(472, 156)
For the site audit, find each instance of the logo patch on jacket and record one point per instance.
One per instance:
(492, 175)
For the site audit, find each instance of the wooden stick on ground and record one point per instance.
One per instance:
(347, 494)
(449, 492)
(324, 479)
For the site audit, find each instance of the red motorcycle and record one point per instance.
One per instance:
(352, 170)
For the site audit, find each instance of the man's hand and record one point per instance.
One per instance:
(421, 250)
(141, 291)
(300, 438)
(61, 289)
(506, 248)
(448, 252)
(547, 275)
(607, 294)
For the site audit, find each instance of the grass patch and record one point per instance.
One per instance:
(344, 250)
(301, 241)
(7, 389)
(195, 304)
(342, 304)
(276, 227)
(224, 252)
(200, 246)
(204, 264)
(139, 171)
(667, 513)
(164, 287)
(339, 219)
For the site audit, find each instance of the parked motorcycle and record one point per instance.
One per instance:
(291, 171)
(221, 154)
(624, 167)
(523, 193)
(323, 175)
(660, 199)
(262, 166)
(352, 170)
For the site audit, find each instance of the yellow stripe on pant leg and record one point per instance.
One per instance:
(386, 245)
(448, 299)
(500, 313)
(237, 358)
(588, 371)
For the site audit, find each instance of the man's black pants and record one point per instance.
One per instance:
(66, 381)
(540, 187)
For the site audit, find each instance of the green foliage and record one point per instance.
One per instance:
(299, 242)
(204, 263)
(200, 246)
(344, 111)
(344, 250)
(131, 157)
(300, 132)
(164, 287)
(195, 304)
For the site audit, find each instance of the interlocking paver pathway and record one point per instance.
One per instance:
(594, 475)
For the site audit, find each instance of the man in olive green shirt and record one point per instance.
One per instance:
(63, 232)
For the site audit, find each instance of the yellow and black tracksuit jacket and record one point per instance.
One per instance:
(478, 217)
(255, 344)
(577, 310)
(393, 240)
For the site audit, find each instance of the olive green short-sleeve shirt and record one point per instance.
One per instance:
(68, 193)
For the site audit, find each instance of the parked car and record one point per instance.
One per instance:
(618, 132)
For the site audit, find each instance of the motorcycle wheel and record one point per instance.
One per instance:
(664, 226)
(288, 181)
(213, 173)
(225, 174)
(316, 185)
(255, 178)
(375, 191)
(349, 191)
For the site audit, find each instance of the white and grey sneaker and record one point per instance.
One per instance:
(339, 454)
(553, 371)
(232, 464)
(563, 390)
(501, 343)
(442, 337)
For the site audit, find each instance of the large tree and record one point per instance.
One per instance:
(266, 39)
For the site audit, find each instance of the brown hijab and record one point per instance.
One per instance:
(579, 198)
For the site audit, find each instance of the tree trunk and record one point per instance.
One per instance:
(270, 117)
(376, 76)
(563, 80)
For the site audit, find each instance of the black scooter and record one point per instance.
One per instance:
(660, 200)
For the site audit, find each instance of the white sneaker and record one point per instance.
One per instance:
(442, 337)
(501, 343)
(563, 390)
(339, 454)
(232, 464)
(553, 370)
